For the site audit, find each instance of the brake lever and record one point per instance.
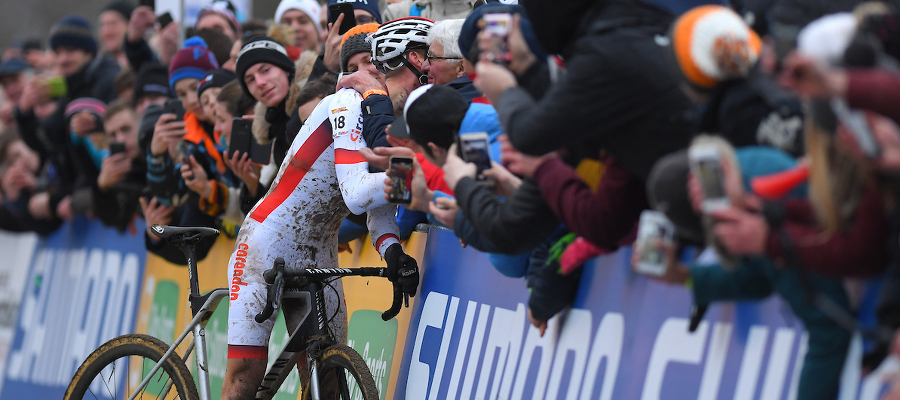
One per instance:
(275, 285)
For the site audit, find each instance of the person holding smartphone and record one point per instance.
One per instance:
(123, 173)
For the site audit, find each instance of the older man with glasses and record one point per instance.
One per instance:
(444, 64)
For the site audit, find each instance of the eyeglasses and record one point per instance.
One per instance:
(365, 19)
(430, 56)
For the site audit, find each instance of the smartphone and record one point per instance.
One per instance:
(173, 106)
(856, 123)
(164, 19)
(476, 149)
(116, 148)
(184, 153)
(706, 164)
(655, 230)
(401, 173)
(242, 141)
(497, 26)
(58, 86)
(349, 18)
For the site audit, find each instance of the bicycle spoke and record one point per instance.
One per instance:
(342, 380)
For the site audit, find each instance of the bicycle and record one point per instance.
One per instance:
(168, 370)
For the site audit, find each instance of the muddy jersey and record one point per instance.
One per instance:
(322, 179)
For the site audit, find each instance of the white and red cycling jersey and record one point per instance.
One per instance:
(322, 179)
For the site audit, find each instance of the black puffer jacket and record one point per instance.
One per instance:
(619, 89)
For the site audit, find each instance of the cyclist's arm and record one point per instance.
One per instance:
(362, 191)
(383, 229)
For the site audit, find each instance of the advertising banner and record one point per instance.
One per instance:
(626, 338)
(80, 290)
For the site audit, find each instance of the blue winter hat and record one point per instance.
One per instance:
(366, 5)
(468, 36)
(194, 60)
(73, 31)
(13, 66)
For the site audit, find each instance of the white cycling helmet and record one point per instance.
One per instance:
(393, 39)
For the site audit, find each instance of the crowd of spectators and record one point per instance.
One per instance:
(591, 121)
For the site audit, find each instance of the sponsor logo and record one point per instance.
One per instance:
(240, 260)
(339, 109)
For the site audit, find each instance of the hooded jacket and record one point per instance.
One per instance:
(619, 90)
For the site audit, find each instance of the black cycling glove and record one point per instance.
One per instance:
(402, 269)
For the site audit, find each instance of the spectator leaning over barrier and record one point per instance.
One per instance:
(445, 66)
(757, 276)
(720, 67)
(113, 22)
(619, 90)
(267, 74)
(302, 16)
(123, 175)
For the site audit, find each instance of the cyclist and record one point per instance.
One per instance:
(322, 179)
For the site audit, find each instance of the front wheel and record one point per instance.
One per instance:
(343, 374)
(117, 368)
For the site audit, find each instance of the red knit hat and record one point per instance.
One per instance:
(193, 61)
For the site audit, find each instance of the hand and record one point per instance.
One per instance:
(802, 75)
(519, 163)
(342, 247)
(244, 169)
(166, 132)
(82, 123)
(155, 214)
(521, 56)
(168, 42)
(444, 210)
(113, 170)
(36, 91)
(455, 168)
(359, 81)
(332, 57)
(39, 206)
(506, 182)
(380, 157)
(539, 324)
(493, 79)
(740, 232)
(142, 20)
(195, 177)
(421, 195)
(15, 180)
(886, 135)
(64, 209)
(402, 270)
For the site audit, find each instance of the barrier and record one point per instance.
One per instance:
(625, 338)
(81, 288)
(466, 335)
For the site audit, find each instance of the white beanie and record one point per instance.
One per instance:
(310, 7)
(826, 39)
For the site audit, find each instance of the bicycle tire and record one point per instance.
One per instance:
(144, 347)
(341, 357)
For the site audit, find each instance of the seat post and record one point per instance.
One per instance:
(188, 249)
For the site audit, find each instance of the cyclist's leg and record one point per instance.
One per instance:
(243, 376)
(255, 251)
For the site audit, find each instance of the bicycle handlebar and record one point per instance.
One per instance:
(275, 276)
